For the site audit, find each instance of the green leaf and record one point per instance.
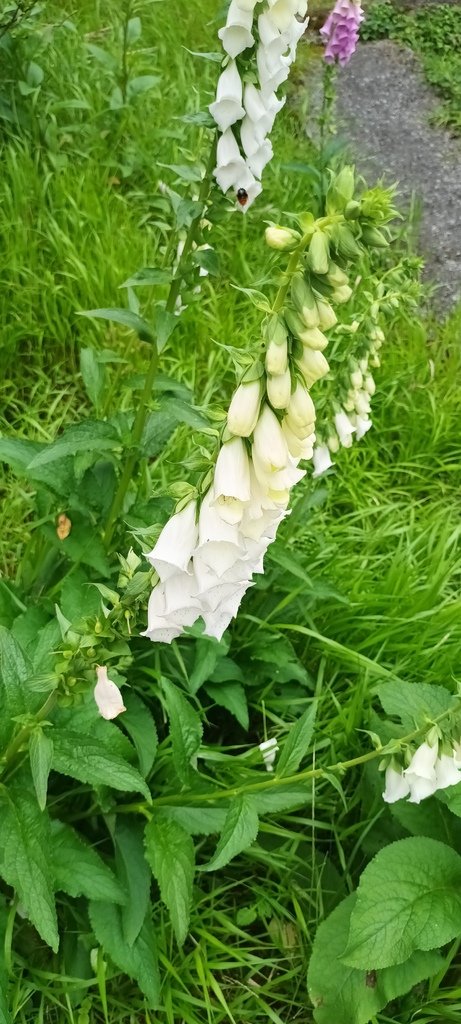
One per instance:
(79, 870)
(141, 84)
(216, 58)
(208, 259)
(148, 276)
(170, 852)
(188, 211)
(19, 454)
(409, 898)
(126, 318)
(185, 729)
(298, 743)
(346, 995)
(88, 436)
(231, 696)
(200, 117)
(133, 869)
(165, 324)
(283, 798)
(5, 1016)
(185, 413)
(431, 818)
(414, 703)
(158, 428)
(239, 832)
(84, 758)
(14, 672)
(24, 838)
(41, 756)
(138, 961)
(140, 726)
(93, 375)
(187, 172)
(198, 821)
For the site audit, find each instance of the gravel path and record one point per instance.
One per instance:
(384, 106)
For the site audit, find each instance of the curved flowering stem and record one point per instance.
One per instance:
(143, 407)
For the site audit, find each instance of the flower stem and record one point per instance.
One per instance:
(143, 407)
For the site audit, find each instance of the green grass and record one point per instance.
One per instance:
(379, 538)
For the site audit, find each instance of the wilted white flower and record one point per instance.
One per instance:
(237, 36)
(176, 543)
(232, 480)
(227, 107)
(107, 695)
(397, 786)
(243, 413)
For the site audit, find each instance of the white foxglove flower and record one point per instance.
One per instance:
(282, 12)
(232, 480)
(216, 622)
(272, 71)
(369, 384)
(218, 562)
(273, 106)
(314, 338)
(107, 695)
(171, 608)
(279, 389)
(243, 413)
(344, 429)
(313, 366)
(420, 773)
(362, 403)
(253, 189)
(278, 482)
(301, 409)
(446, 771)
(247, 5)
(258, 160)
(254, 104)
(270, 36)
(421, 789)
(263, 526)
(269, 749)
(211, 526)
(252, 135)
(176, 543)
(457, 754)
(302, 8)
(397, 786)
(227, 107)
(231, 170)
(362, 425)
(236, 36)
(292, 35)
(269, 443)
(322, 459)
(299, 448)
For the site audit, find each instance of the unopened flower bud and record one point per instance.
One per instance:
(319, 253)
(313, 366)
(336, 276)
(304, 300)
(342, 294)
(369, 384)
(327, 315)
(314, 338)
(356, 379)
(244, 409)
(279, 389)
(277, 357)
(278, 237)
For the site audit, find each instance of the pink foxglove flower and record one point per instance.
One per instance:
(340, 32)
(107, 695)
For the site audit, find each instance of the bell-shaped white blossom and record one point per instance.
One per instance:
(216, 622)
(278, 482)
(282, 12)
(211, 526)
(237, 36)
(447, 772)
(420, 773)
(232, 480)
(292, 35)
(231, 170)
(247, 5)
(176, 543)
(253, 189)
(269, 443)
(255, 106)
(344, 429)
(270, 36)
(243, 413)
(313, 366)
(301, 410)
(298, 447)
(227, 107)
(252, 136)
(362, 425)
(107, 695)
(258, 160)
(272, 71)
(322, 459)
(397, 786)
(279, 389)
(269, 749)
(273, 107)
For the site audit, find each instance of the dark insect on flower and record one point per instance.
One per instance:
(242, 196)
(371, 979)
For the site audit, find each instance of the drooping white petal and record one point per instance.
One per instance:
(244, 409)
(362, 425)
(397, 786)
(344, 429)
(293, 34)
(269, 443)
(322, 459)
(273, 106)
(258, 160)
(270, 36)
(282, 12)
(211, 526)
(231, 170)
(216, 622)
(107, 695)
(269, 749)
(237, 36)
(446, 772)
(232, 480)
(272, 71)
(227, 107)
(252, 134)
(176, 543)
(421, 788)
(423, 761)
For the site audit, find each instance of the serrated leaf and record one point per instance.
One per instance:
(14, 672)
(24, 839)
(282, 798)
(41, 756)
(134, 871)
(140, 726)
(84, 758)
(79, 870)
(298, 743)
(158, 428)
(414, 703)
(89, 436)
(232, 697)
(170, 852)
(346, 995)
(125, 317)
(141, 84)
(208, 259)
(148, 276)
(197, 821)
(185, 413)
(188, 210)
(138, 961)
(239, 832)
(409, 898)
(93, 374)
(165, 324)
(185, 729)
(5, 1016)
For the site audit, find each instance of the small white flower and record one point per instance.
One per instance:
(232, 480)
(244, 409)
(397, 786)
(269, 750)
(277, 357)
(344, 429)
(272, 71)
(322, 459)
(227, 107)
(298, 447)
(269, 443)
(247, 5)
(313, 366)
(447, 772)
(301, 410)
(362, 425)
(273, 106)
(279, 389)
(271, 38)
(420, 773)
(107, 695)
(258, 160)
(231, 170)
(278, 482)
(176, 543)
(216, 622)
(236, 36)
(282, 12)
(252, 135)
(254, 104)
(421, 789)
